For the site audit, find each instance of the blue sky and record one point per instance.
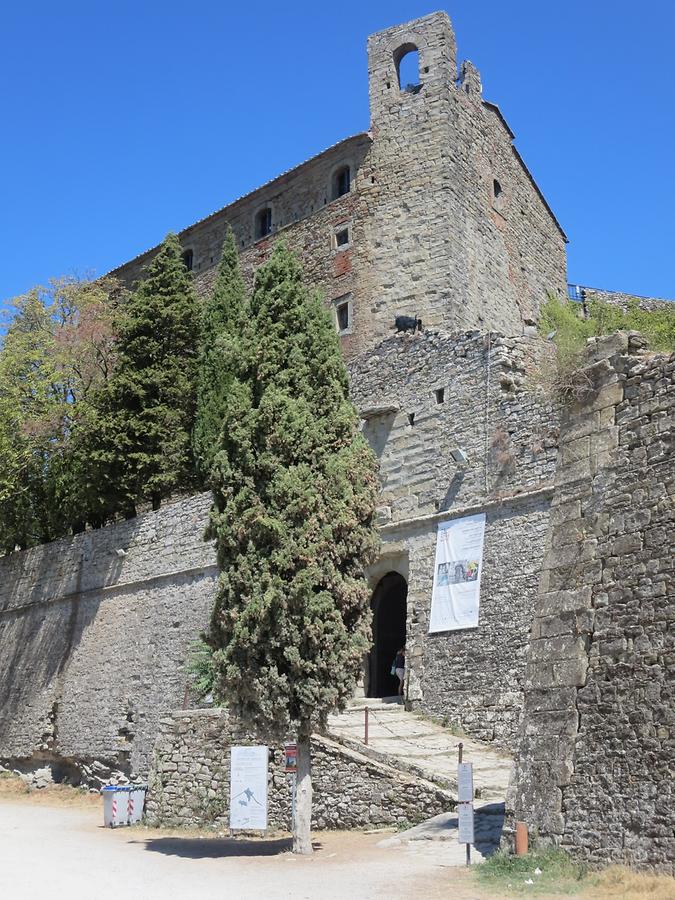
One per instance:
(125, 120)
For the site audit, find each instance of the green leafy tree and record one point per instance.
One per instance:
(146, 413)
(295, 488)
(223, 319)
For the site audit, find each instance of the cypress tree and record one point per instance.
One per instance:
(222, 322)
(295, 488)
(147, 410)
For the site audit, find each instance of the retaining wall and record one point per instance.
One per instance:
(190, 780)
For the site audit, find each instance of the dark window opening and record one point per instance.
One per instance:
(496, 189)
(440, 395)
(263, 222)
(411, 418)
(407, 59)
(342, 237)
(342, 311)
(188, 259)
(341, 182)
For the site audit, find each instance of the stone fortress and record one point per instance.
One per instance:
(431, 214)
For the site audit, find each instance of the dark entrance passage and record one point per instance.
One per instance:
(389, 617)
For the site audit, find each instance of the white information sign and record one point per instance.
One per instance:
(465, 833)
(459, 560)
(248, 788)
(465, 783)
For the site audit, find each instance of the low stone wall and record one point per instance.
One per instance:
(190, 780)
(594, 768)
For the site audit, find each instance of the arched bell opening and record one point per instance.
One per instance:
(389, 606)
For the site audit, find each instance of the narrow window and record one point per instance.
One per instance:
(263, 222)
(188, 258)
(343, 320)
(341, 182)
(440, 395)
(496, 189)
(407, 59)
(342, 236)
(411, 418)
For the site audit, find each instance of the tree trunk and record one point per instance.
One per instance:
(302, 839)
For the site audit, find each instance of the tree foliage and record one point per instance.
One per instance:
(56, 351)
(146, 411)
(223, 319)
(295, 488)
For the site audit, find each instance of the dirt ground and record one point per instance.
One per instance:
(53, 843)
(57, 846)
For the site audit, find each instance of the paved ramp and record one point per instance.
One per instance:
(419, 745)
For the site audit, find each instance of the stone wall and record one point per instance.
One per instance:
(619, 298)
(190, 780)
(427, 235)
(594, 771)
(490, 409)
(95, 633)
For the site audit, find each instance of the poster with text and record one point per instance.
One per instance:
(459, 560)
(248, 788)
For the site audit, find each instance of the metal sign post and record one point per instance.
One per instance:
(291, 768)
(465, 816)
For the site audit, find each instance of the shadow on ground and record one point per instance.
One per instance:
(218, 848)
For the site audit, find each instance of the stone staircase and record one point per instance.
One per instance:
(415, 744)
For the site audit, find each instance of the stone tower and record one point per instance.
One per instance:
(458, 233)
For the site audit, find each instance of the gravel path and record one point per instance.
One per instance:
(66, 853)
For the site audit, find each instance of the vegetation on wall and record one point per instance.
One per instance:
(571, 329)
(570, 325)
(295, 487)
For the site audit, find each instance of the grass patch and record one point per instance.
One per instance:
(621, 883)
(549, 871)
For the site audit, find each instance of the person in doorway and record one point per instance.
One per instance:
(399, 667)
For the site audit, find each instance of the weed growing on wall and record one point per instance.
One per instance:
(563, 322)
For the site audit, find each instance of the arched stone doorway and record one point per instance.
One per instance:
(388, 604)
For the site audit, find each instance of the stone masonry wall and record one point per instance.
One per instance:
(95, 633)
(594, 771)
(489, 408)
(190, 780)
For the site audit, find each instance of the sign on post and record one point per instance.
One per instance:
(248, 788)
(465, 783)
(291, 757)
(465, 830)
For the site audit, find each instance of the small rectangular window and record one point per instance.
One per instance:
(343, 316)
(440, 395)
(342, 237)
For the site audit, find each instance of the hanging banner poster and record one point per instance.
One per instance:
(459, 560)
(248, 788)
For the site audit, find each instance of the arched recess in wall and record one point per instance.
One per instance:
(389, 607)
(407, 61)
(341, 182)
(188, 259)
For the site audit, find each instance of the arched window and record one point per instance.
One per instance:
(188, 258)
(497, 195)
(263, 222)
(342, 182)
(407, 59)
